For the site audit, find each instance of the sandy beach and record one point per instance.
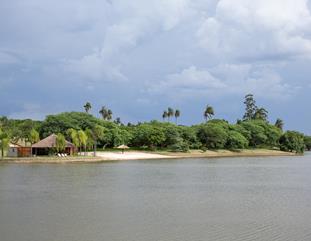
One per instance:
(104, 156)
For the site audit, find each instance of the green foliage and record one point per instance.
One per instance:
(180, 146)
(149, 135)
(60, 142)
(4, 142)
(33, 136)
(62, 122)
(250, 107)
(106, 113)
(236, 140)
(292, 141)
(72, 135)
(212, 135)
(257, 134)
(82, 138)
(307, 140)
(208, 112)
(87, 107)
(279, 124)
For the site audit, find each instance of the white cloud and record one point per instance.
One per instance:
(228, 79)
(138, 20)
(257, 30)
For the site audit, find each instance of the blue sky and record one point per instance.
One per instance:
(139, 57)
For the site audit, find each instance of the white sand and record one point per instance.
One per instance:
(131, 155)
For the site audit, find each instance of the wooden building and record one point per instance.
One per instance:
(47, 146)
(16, 150)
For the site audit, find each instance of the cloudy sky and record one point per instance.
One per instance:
(139, 57)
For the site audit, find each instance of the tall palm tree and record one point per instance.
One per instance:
(106, 113)
(170, 112)
(279, 123)
(164, 115)
(209, 112)
(261, 114)
(82, 137)
(109, 115)
(87, 107)
(177, 115)
(103, 112)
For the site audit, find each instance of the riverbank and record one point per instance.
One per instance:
(141, 155)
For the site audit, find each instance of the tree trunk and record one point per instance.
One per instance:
(95, 146)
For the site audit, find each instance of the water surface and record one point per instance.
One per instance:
(226, 199)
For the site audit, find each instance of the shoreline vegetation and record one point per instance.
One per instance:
(253, 135)
(111, 156)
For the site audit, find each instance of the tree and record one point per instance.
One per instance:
(4, 142)
(118, 121)
(170, 113)
(164, 115)
(109, 116)
(87, 107)
(236, 140)
(60, 142)
(292, 141)
(103, 111)
(257, 135)
(106, 113)
(33, 136)
(307, 140)
(279, 123)
(82, 137)
(60, 123)
(148, 134)
(261, 114)
(208, 112)
(96, 133)
(212, 136)
(177, 115)
(250, 107)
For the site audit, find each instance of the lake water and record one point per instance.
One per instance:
(228, 199)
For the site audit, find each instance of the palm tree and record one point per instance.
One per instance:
(165, 115)
(177, 115)
(60, 142)
(106, 113)
(170, 112)
(261, 114)
(4, 142)
(109, 115)
(87, 107)
(82, 137)
(209, 112)
(33, 137)
(279, 124)
(103, 112)
(72, 134)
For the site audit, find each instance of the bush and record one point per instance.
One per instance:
(307, 141)
(212, 135)
(236, 141)
(292, 141)
(180, 146)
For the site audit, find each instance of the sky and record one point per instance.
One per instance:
(139, 57)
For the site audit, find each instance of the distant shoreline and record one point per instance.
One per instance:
(142, 155)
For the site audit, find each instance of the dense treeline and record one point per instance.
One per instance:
(89, 132)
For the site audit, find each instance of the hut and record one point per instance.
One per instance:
(16, 150)
(48, 144)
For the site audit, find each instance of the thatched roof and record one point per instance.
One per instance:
(123, 147)
(50, 142)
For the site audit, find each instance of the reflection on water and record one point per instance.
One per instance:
(229, 199)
